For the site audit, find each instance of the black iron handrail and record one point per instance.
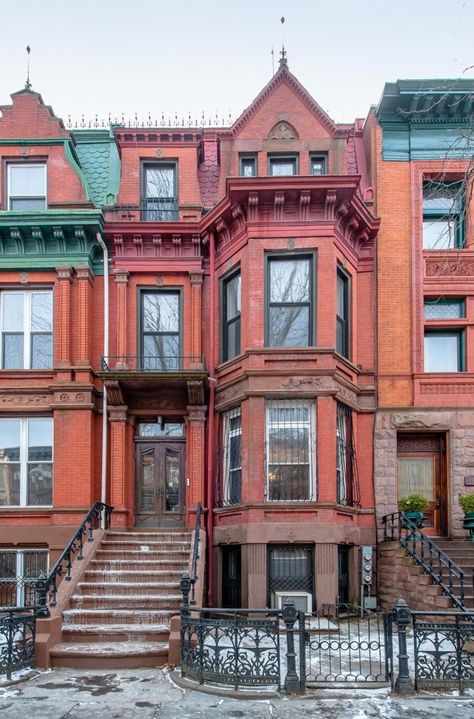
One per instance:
(152, 363)
(436, 563)
(195, 552)
(47, 585)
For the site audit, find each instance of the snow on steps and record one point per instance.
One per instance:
(120, 614)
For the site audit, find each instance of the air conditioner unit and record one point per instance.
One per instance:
(303, 600)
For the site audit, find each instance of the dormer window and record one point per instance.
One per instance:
(317, 164)
(26, 187)
(159, 192)
(282, 165)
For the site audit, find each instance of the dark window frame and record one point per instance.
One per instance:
(303, 584)
(318, 156)
(434, 214)
(144, 166)
(345, 350)
(248, 157)
(142, 291)
(285, 256)
(460, 333)
(283, 157)
(224, 280)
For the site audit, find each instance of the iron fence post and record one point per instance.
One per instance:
(41, 592)
(302, 641)
(185, 586)
(290, 615)
(403, 685)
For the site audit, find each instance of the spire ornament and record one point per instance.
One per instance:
(283, 57)
(28, 83)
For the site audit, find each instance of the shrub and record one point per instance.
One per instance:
(467, 503)
(413, 503)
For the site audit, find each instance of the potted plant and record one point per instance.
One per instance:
(467, 504)
(413, 506)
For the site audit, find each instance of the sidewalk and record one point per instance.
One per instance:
(150, 694)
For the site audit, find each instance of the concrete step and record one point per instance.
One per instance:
(137, 556)
(93, 633)
(116, 616)
(119, 565)
(133, 575)
(117, 601)
(109, 655)
(135, 589)
(168, 535)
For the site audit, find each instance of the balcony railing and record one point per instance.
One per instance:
(153, 363)
(163, 211)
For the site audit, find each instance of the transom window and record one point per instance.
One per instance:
(290, 450)
(231, 455)
(289, 301)
(26, 187)
(440, 308)
(443, 208)
(248, 165)
(283, 165)
(317, 164)
(160, 429)
(342, 313)
(26, 462)
(160, 192)
(161, 330)
(231, 307)
(26, 329)
(444, 351)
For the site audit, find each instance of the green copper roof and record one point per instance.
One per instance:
(100, 162)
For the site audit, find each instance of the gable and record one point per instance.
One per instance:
(29, 118)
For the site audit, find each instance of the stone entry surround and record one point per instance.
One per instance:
(459, 428)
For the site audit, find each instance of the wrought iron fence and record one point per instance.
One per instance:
(17, 639)
(442, 570)
(152, 363)
(19, 570)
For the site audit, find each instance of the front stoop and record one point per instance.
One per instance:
(120, 615)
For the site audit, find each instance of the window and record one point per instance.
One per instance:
(443, 226)
(26, 462)
(161, 337)
(290, 572)
(231, 576)
(160, 195)
(342, 314)
(317, 164)
(27, 324)
(290, 450)
(346, 467)
(26, 187)
(231, 456)
(439, 308)
(289, 301)
(444, 351)
(248, 165)
(160, 429)
(19, 570)
(231, 291)
(283, 165)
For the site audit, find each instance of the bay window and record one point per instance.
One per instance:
(290, 302)
(231, 455)
(231, 307)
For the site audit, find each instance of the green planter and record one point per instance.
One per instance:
(469, 525)
(416, 518)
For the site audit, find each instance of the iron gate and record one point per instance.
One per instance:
(341, 646)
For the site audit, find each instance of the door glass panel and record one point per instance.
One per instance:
(416, 476)
(147, 483)
(172, 480)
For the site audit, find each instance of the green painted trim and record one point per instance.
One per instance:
(34, 141)
(45, 218)
(33, 263)
(74, 163)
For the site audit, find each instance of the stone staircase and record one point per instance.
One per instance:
(120, 615)
(462, 553)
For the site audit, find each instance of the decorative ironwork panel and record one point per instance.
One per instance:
(17, 640)
(231, 648)
(444, 651)
(19, 570)
(343, 647)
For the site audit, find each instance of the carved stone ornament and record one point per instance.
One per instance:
(301, 383)
(291, 537)
(283, 131)
(22, 400)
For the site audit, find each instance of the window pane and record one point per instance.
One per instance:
(289, 326)
(159, 182)
(318, 165)
(41, 351)
(443, 309)
(40, 440)
(172, 481)
(233, 340)
(9, 440)
(9, 484)
(282, 167)
(439, 234)
(233, 297)
(441, 196)
(161, 312)
(288, 450)
(288, 482)
(13, 351)
(416, 476)
(40, 483)
(248, 167)
(289, 280)
(28, 205)
(27, 180)
(169, 429)
(341, 296)
(13, 311)
(161, 352)
(442, 352)
(41, 311)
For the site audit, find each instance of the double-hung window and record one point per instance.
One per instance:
(290, 450)
(443, 215)
(232, 461)
(160, 192)
(231, 292)
(290, 305)
(26, 187)
(161, 330)
(282, 165)
(26, 329)
(342, 313)
(26, 462)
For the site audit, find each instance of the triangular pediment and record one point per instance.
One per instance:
(28, 117)
(283, 90)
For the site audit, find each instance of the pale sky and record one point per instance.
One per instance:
(101, 56)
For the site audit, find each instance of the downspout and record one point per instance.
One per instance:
(103, 484)
(210, 434)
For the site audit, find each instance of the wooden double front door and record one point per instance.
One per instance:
(160, 484)
(422, 470)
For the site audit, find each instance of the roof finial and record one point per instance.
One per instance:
(28, 83)
(283, 58)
